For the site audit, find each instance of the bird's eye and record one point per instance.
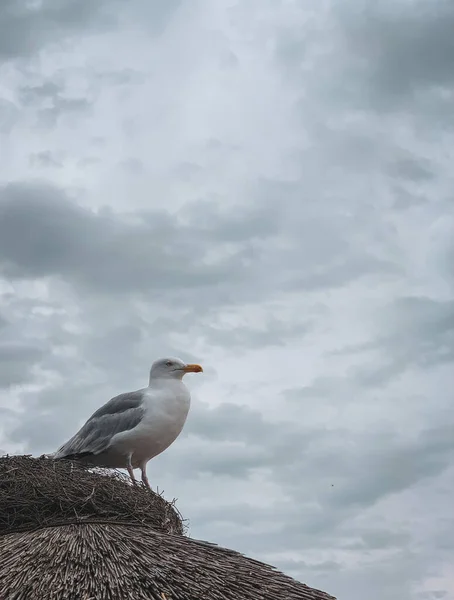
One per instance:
(169, 363)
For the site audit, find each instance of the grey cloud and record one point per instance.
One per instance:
(423, 315)
(423, 337)
(242, 336)
(44, 234)
(289, 528)
(17, 361)
(409, 45)
(9, 115)
(88, 161)
(319, 388)
(392, 576)
(43, 428)
(51, 416)
(346, 478)
(412, 168)
(228, 422)
(187, 171)
(32, 95)
(299, 566)
(126, 77)
(405, 199)
(410, 317)
(50, 101)
(153, 16)
(45, 159)
(392, 58)
(384, 466)
(123, 347)
(345, 270)
(397, 466)
(48, 117)
(360, 470)
(207, 325)
(238, 461)
(274, 332)
(256, 222)
(133, 166)
(110, 347)
(379, 539)
(419, 335)
(26, 29)
(8, 417)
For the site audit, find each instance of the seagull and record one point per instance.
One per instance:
(132, 428)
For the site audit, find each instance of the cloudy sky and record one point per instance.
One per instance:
(264, 187)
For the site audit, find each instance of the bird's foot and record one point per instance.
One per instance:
(145, 481)
(131, 472)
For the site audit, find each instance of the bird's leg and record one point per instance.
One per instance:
(130, 470)
(145, 481)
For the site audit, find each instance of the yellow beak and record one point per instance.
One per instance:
(193, 369)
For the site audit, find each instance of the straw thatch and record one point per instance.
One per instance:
(71, 534)
(36, 492)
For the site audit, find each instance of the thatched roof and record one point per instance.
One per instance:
(36, 492)
(69, 533)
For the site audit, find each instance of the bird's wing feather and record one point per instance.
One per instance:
(122, 413)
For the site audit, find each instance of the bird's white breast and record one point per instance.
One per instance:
(166, 407)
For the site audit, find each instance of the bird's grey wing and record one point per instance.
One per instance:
(122, 413)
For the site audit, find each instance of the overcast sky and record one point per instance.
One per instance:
(264, 187)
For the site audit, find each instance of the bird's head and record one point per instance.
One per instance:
(172, 368)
